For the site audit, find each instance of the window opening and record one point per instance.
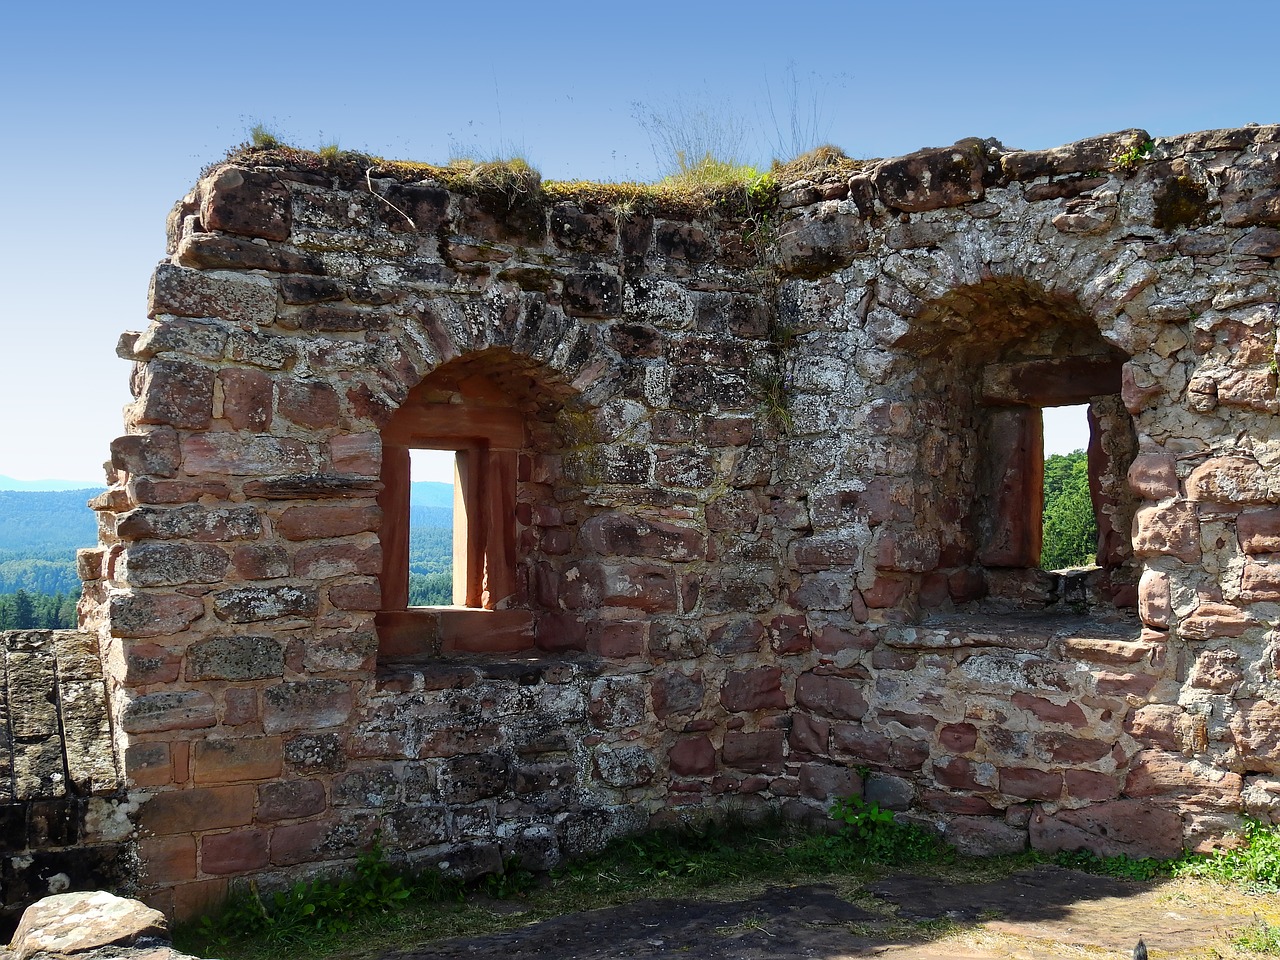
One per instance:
(1069, 526)
(432, 536)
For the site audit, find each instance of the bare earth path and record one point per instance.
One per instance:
(1042, 912)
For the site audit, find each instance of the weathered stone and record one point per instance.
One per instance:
(250, 604)
(236, 658)
(931, 179)
(1172, 530)
(831, 696)
(305, 705)
(1229, 480)
(66, 924)
(758, 689)
(1132, 828)
(985, 837)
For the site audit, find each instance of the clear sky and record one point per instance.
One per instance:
(110, 110)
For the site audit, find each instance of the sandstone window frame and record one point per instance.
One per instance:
(1014, 396)
(487, 442)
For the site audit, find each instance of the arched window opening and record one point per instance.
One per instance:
(991, 360)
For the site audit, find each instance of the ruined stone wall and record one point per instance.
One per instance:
(64, 814)
(773, 536)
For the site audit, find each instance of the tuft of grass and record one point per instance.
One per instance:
(822, 163)
(263, 139)
(1121, 867)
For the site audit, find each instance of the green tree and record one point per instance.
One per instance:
(24, 611)
(1070, 529)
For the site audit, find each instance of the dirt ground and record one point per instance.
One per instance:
(1042, 912)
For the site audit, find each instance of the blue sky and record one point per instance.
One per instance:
(109, 112)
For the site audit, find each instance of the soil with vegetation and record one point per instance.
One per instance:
(873, 887)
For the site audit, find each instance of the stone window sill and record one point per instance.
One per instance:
(418, 632)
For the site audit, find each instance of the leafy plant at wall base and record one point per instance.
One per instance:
(1121, 867)
(880, 837)
(1255, 863)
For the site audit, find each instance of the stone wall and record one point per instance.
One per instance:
(752, 508)
(64, 815)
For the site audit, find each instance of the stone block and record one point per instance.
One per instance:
(176, 393)
(592, 295)
(677, 693)
(168, 859)
(1260, 582)
(1050, 712)
(238, 851)
(189, 522)
(1170, 530)
(640, 586)
(934, 178)
(692, 757)
(985, 837)
(829, 782)
(1154, 476)
(1229, 480)
(196, 810)
(471, 778)
(1155, 605)
(168, 710)
(172, 564)
(1213, 620)
(754, 752)
(1031, 784)
(290, 800)
(626, 766)
(758, 689)
(252, 604)
(238, 455)
(1133, 828)
(66, 924)
(306, 705)
(236, 760)
(235, 298)
(614, 534)
(248, 398)
(832, 696)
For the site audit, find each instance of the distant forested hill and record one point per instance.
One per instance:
(33, 523)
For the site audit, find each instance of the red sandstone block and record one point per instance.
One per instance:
(693, 757)
(885, 592)
(176, 710)
(1172, 530)
(759, 689)
(1030, 784)
(323, 561)
(290, 800)
(618, 639)
(826, 781)
(1156, 725)
(237, 760)
(1050, 712)
(1155, 605)
(298, 842)
(247, 398)
(309, 403)
(1259, 531)
(146, 663)
(1154, 476)
(1088, 785)
(198, 898)
(236, 852)
(958, 737)
(809, 735)
(1229, 480)
(1260, 582)
(138, 615)
(148, 764)
(831, 696)
(261, 561)
(1155, 772)
(1212, 620)
(168, 859)
(957, 772)
(356, 454)
(240, 706)
(640, 586)
(754, 752)
(356, 595)
(1064, 749)
(202, 808)
(319, 522)
(176, 393)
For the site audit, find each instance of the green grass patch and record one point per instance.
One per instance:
(1254, 864)
(1260, 937)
